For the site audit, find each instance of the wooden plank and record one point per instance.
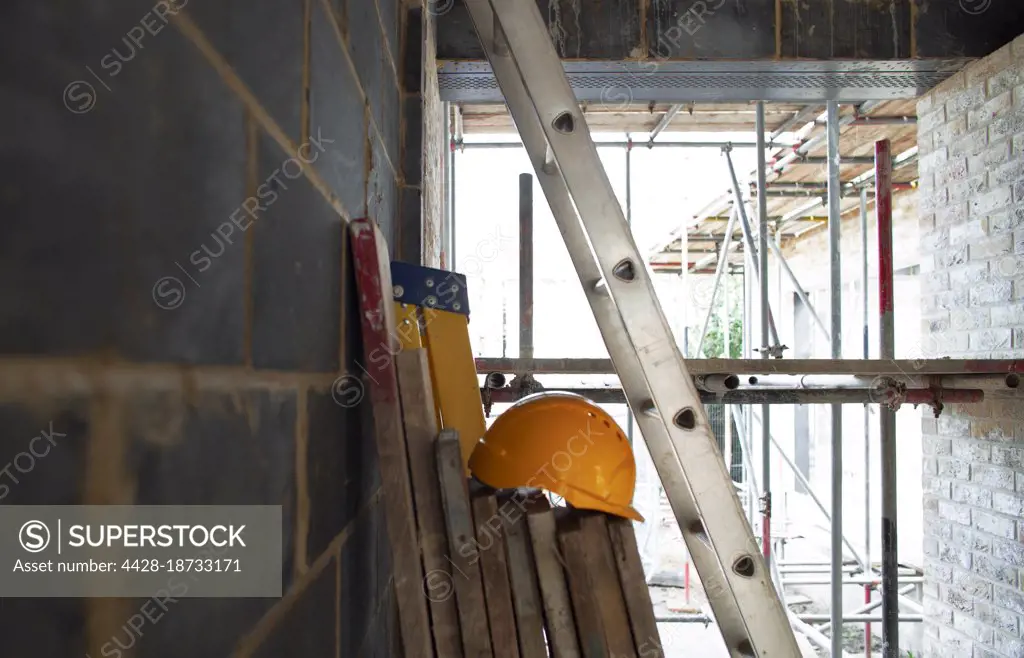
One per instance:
(420, 435)
(376, 306)
(494, 568)
(469, 589)
(605, 585)
(522, 572)
(553, 590)
(589, 624)
(634, 588)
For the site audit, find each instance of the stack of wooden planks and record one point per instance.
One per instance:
(507, 575)
(485, 574)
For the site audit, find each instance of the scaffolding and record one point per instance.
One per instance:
(771, 379)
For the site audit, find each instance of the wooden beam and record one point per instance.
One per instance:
(490, 541)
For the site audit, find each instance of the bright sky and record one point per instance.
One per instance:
(669, 186)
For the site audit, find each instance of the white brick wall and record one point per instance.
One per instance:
(971, 136)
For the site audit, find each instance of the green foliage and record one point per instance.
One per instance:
(714, 342)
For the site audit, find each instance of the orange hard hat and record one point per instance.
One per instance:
(565, 444)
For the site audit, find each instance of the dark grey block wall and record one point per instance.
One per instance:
(176, 296)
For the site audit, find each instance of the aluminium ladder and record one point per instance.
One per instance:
(752, 619)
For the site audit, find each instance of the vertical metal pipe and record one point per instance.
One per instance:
(890, 564)
(525, 266)
(451, 216)
(629, 220)
(723, 264)
(727, 341)
(867, 410)
(762, 232)
(836, 284)
(446, 203)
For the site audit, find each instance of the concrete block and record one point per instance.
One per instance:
(993, 476)
(954, 426)
(47, 627)
(358, 596)
(308, 627)
(991, 339)
(382, 192)
(957, 599)
(938, 281)
(389, 12)
(970, 143)
(1009, 646)
(256, 39)
(993, 292)
(1005, 80)
(990, 202)
(965, 320)
(1011, 504)
(992, 247)
(296, 271)
(937, 610)
(937, 487)
(951, 257)
(997, 153)
(955, 169)
(933, 160)
(410, 225)
(955, 213)
(366, 45)
(43, 451)
(1007, 173)
(341, 462)
(390, 124)
(963, 102)
(972, 230)
(956, 513)
(996, 617)
(192, 627)
(338, 110)
(972, 495)
(1011, 552)
(982, 116)
(972, 628)
(994, 524)
(1011, 123)
(993, 430)
(412, 153)
(947, 133)
(974, 541)
(1008, 267)
(929, 467)
(1008, 316)
(1008, 456)
(931, 120)
(955, 469)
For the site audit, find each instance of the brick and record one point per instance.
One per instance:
(970, 231)
(968, 190)
(956, 599)
(1010, 552)
(955, 169)
(937, 446)
(951, 257)
(976, 542)
(968, 274)
(972, 585)
(931, 120)
(1010, 123)
(992, 430)
(936, 240)
(1006, 173)
(990, 202)
(996, 155)
(930, 162)
(993, 476)
(999, 619)
(971, 143)
(948, 132)
(966, 100)
(994, 524)
(934, 282)
(1008, 316)
(965, 320)
(1007, 456)
(991, 293)
(956, 513)
(991, 339)
(1009, 646)
(937, 610)
(998, 105)
(953, 426)
(1005, 81)
(956, 469)
(970, 627)
(1018, 242)
(937, 487)
(929, 466)
(985, 249)
(1008, 267)
(974, 496)
(995, 570)
(1008, 503)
